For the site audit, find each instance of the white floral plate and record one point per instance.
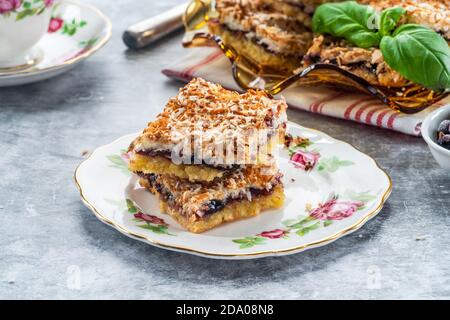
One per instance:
(342, 189)
(76, 32)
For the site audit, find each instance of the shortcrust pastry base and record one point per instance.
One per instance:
(162, 165)
(192, 172)
(256, 52)
(236, 210)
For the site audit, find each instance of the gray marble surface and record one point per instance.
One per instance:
(48, 238)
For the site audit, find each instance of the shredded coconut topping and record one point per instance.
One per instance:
(281, 26)
(434, 14)
(204, 109)
(284, 26)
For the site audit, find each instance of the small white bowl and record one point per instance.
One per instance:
(429, 133)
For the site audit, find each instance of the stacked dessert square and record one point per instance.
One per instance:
(278, 36)
(209, 156)
(275, 34)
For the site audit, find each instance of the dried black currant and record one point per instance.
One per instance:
(214, 206)
(444, 127)
(444, 140)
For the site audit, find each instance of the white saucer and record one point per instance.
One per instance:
(76, 32)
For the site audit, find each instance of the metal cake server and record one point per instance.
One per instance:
(146, 32)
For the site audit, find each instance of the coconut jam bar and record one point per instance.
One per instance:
(277, 35)
(369, 63)
(201, 158)
(202, 206)
(206, 110)
(273, 33)
(365, 63)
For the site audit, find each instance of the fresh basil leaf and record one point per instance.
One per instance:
(349, 20)
(420, 55)
(389, 19)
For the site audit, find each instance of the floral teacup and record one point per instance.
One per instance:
(22, 24)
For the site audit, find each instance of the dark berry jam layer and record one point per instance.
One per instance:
(209, 207)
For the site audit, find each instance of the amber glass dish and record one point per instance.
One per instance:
(248, 74)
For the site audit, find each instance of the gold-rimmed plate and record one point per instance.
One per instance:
(337, 193)
(76, 32)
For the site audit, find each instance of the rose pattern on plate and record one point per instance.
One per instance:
(7, 6)
(24, 8)
(307, 160)
(320, 216)
(249, 242)
(120, 161)
(149, 218)
(274, 234)
(151, 222)
(69, 28)
(55, 24)
(334, 209)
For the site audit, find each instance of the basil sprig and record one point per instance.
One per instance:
(348, 20)
(419, 54)
(416, 52)
(389, 19)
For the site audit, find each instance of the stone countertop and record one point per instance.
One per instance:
(48, 237)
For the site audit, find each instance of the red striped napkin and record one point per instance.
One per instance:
(212, 65)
